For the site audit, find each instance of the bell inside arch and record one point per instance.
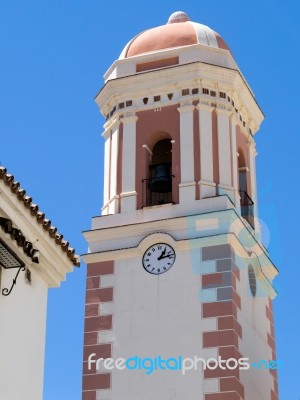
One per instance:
(162, 180)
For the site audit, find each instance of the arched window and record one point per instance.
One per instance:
(159, 186)
(242, 172)
(252, 279)
(247, 209)
(162, 152)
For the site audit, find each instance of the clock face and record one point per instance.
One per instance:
(159, 258)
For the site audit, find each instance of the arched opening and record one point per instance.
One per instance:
(247, 205)
(158, 187)
(242, 172)
(252, 280)
(162, 152)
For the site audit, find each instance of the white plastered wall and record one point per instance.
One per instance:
(158, 315)
(22, 337)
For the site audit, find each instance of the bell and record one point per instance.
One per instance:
(162, 181)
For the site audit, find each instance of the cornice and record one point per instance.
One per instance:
(229, 223)
(267, 269)
(136, 87)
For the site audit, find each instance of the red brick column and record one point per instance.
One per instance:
(224, 308)
(93, 324)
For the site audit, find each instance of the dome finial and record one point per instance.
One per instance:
(178, 16)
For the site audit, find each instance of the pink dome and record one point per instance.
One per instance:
(179, 31)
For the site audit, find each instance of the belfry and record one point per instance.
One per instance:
(176, 267)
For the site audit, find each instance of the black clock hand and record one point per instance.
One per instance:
(162, 254)
(168, 255)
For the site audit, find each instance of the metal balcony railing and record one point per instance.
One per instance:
(152, 198)
(247, 208)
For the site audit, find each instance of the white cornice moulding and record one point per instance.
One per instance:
(229, 221)
(187, 244)
(137, 86)
(180, 52)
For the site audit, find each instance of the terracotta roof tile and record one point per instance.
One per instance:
(38, 215)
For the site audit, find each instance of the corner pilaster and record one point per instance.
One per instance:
(187, 185)
(129, 195)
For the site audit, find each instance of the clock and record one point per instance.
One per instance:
(159, 258)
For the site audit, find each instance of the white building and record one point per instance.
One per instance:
(176, 266)
(33, 257)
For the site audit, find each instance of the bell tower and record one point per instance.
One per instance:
(176, 268)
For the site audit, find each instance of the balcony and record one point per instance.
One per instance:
(247, 208)
(157, 197)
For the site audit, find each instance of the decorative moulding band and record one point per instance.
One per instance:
(231, 77)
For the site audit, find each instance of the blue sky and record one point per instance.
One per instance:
(53, 56)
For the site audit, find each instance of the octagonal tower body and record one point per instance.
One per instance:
(179, 169)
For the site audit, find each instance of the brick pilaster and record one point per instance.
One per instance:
(97, 322)
(221, 300)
